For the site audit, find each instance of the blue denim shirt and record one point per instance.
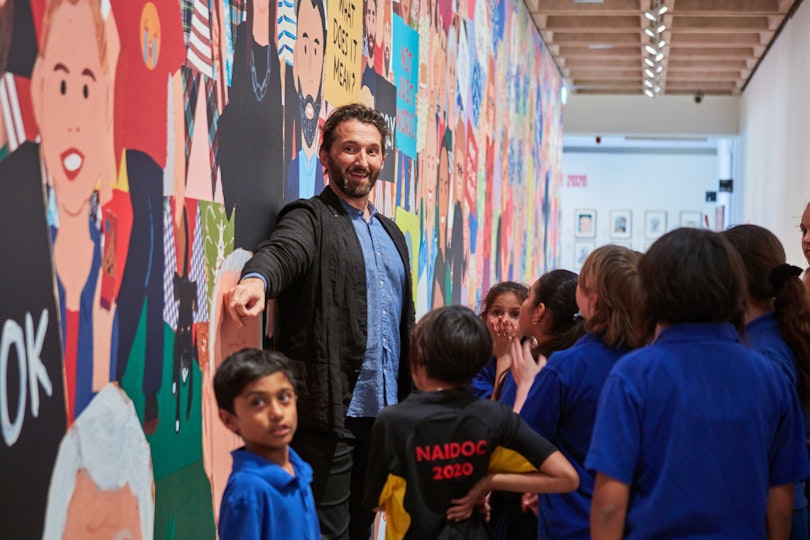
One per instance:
(385, 280)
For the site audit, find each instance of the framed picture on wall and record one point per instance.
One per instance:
(692, 219)
(585, 223)
(655, 223)
(581, 252)
(620, 225)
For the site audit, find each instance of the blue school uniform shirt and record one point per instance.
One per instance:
(561, 406)
(484, 381)
(699, 426)
(764, 336)
(262, 500)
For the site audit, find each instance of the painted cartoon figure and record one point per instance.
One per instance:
(305, 174)
(72, 97)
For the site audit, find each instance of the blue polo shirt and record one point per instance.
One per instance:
(764, 336)
(385, 280)
(561, 406)
(262, 500)
(699, 426)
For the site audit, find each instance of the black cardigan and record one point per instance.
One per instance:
(313, 264)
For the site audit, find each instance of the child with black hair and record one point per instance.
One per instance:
(501, 313)
(696, 435)
(268, 494)
(436, 455)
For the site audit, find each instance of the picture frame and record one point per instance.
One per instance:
(691, 219)
(581, 252)
(655, 223)
(585, 223)
(621, 225)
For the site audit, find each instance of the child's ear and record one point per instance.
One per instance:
(230, 420)
(538, 313)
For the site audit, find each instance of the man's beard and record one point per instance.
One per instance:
(337, 178)
(309, 126)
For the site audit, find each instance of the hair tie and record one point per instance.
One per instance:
(782, 273)
(577, 317)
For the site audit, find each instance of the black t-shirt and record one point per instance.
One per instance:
(433, 447)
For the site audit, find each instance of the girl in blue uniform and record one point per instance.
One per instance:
(696, 435)
(562, 397)
(501, 313)
(777, 323)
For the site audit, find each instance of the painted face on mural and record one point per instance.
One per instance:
(444, 188)
(387, 48)
(429, 165)
(308, 59)
(355, 159)
(370, 26)
(97, 514)
(71, 94)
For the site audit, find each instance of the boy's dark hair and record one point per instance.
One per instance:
(452, 344)
(354, 111)
(693, 276)
(244, 367)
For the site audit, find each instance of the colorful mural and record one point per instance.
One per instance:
(146, 146)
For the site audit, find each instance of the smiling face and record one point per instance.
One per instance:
(70, 91)
(265, 416)
(805, 228)
(370, 25)
(355, 158)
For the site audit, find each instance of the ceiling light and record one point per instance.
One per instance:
(648, 72)
(662, 43)
(659, 57)
(657, 89)
(663, 9)
(659, 69)
(661, 28)
(650, 49)
(649, 83)
(650, 15)
(648, 93)
(650, 32)
(649, 61)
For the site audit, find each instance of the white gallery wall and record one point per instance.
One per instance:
(647, 186)
(773, 150)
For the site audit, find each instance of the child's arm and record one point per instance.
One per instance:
(779, 515)
(556, 475)
(608, 508)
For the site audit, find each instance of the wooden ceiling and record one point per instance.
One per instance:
(712, 46)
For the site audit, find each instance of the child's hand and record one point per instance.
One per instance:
(504, 332)
(524, 368)
(463, 508)
(529, 502)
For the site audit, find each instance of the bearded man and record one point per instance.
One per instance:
(341, 274)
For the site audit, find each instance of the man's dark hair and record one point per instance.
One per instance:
(693, 276)
(354, 111)
(452, 343)
(244, 367)
(317, 4)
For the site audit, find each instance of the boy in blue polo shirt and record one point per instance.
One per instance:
(268, 494)
(696, 435)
